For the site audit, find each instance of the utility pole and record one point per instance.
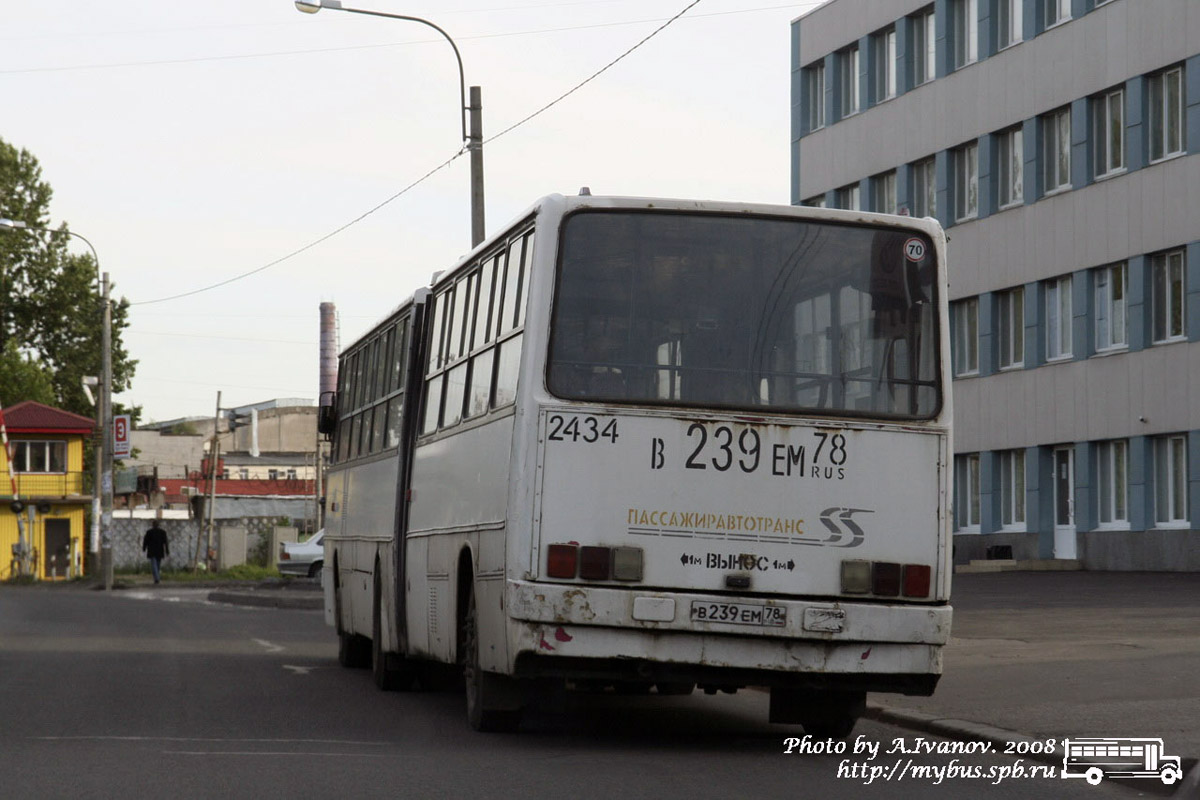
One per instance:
(475, 145)
(214, 452)
(106, 441)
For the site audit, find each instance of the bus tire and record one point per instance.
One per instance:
(480, 686)
(1094, 776)
(354, 651)
(824, 715)
(388, 670)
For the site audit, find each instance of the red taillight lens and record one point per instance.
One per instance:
(885, 579)
(594, 563)
(916, 580)
(562, 560)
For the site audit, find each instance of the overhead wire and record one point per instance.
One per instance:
(427, 175)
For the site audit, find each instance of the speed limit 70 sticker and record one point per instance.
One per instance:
(914, 249)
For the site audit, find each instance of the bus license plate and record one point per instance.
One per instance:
(739, 613)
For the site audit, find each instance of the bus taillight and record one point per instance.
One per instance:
(594, 563)
(562, 560)
(886, 579)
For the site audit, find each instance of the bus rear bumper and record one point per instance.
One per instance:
(593, 633)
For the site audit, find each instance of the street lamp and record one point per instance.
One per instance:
(472, 135)
(101, 538)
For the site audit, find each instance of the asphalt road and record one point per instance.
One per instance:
(160, 694)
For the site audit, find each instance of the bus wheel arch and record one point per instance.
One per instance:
(494, 702)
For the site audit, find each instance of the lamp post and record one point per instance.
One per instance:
(472, 134)
(102, 501)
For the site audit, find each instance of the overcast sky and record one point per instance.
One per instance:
(193, 142)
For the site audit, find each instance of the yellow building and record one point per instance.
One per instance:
(43, 467)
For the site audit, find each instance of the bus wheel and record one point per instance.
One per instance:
(1169, 776)
(481, 711)
(388, 675)
(1094, 776)
(824, 715)
(354, 651)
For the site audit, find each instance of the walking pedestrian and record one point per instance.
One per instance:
(155, 544)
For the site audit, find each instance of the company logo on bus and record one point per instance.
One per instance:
(841, 529)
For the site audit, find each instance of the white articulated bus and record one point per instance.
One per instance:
(637, 442)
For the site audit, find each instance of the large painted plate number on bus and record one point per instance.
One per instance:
(739, 613)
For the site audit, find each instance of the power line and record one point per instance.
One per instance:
(428, 174)
(350, 48)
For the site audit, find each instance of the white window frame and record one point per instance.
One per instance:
(966, 337)
(1108, 131)
(884, 186)
(1056, 12)
(966, 182)
(1010, 325)
(924, 48)
(1170, 481)
(1168, 297)
(816, 201)
(851, 101)
(51, 451)
(1011, 465)
(1167, 122)
(924, 183)
(966, 32)
(1056, 150)
(1112, 483)
(1059, 319)
(967, 505)
(1010, 26)
(1111, 291)
(1011, 181)
(849, 197)
(816, 95)
(885, 64)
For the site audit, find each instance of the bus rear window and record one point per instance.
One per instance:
(706, 310)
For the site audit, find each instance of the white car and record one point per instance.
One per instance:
(303, 558)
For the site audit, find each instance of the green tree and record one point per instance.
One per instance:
(50, 301)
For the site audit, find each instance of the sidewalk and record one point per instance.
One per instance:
(1068, 654)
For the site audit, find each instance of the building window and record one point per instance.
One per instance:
(815, 76)
(966, 32)
(848, 60)
(1112, 465)
(966, 337)
(966, 490)
(1056, 11)
(814, 202)
(1168, 296)
(1009, 23)
(883, 50)
(225, 474)
(291, 474)
(1012, 489)
(1058, 318)
(39, 457)
(884, 187)
(966, 182)
(1166, 114)
(1056, 152)
(924, 38)
(1112, 285)
(1011, 180)
(1170, 480)
(1010, 313)
(244, 474)
(848, 197)
(924, 182)
(1108, 132)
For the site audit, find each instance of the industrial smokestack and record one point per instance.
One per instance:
(329, 348)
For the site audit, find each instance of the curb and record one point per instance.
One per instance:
(965, 730)
(269, 600)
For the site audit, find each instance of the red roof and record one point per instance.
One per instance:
(31, 417)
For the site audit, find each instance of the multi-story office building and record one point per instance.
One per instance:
(1058, 142)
